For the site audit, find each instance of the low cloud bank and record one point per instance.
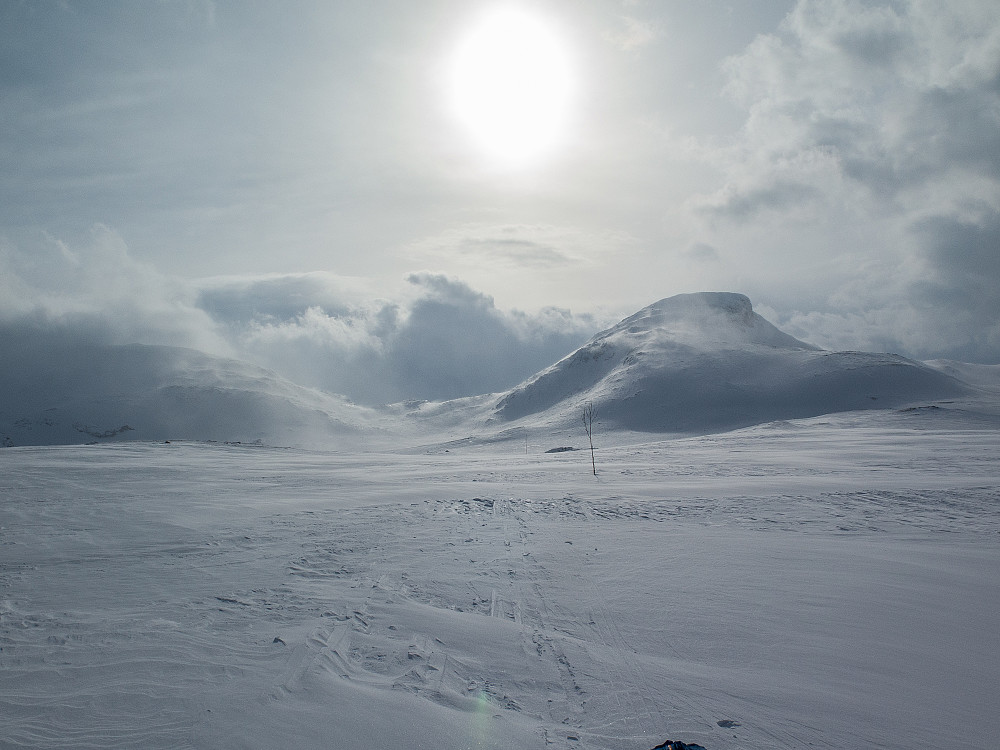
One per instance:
(445, 341)
(438, 339)
(441, 340)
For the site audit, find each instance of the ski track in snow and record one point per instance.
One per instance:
(791, 584)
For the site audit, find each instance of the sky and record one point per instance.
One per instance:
(392, 199)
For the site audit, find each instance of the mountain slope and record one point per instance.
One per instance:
(57, 392)
(702, 362)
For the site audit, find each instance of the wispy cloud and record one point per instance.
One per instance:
(633, 33)
(97, 290)
(522, 245)
(544, 247)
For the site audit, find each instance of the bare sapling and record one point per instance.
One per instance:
(588, 425)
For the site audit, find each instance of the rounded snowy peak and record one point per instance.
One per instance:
(705, 362)
(704, 319)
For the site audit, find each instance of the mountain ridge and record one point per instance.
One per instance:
(691, 363)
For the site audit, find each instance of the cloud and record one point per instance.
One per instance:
(447, 340)
(439, 339)
(740, 203)
(871, 146)
(509, 246)
(98, 291)
(965, 259)
(237, 299)
(894, 94)
(634, 33)
(701, 252)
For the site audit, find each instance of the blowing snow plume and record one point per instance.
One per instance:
(707, 361)
(58, 391)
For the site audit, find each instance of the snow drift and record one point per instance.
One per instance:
(707, 361)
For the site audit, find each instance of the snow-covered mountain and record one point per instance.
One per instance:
(55, 391)
(707, 361)
(691, 363)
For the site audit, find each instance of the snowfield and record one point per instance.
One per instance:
(830, 582)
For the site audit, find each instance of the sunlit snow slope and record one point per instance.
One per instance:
(701, 362)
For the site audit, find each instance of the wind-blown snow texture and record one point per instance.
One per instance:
(827, 583)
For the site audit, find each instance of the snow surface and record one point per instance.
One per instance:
(433, 578)
(831, 582)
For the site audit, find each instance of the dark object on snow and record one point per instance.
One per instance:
(677, 745)
(727, 723)
(563, 449)
(99, 433)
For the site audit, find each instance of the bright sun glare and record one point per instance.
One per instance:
(511, 85)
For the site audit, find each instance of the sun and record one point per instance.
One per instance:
(511, 86)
